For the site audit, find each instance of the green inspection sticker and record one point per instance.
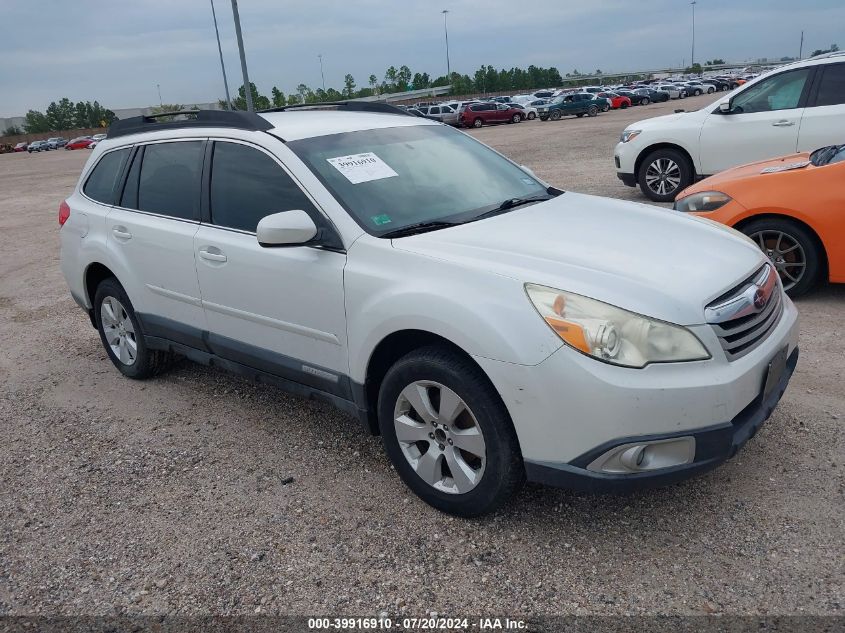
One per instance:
(379, 220)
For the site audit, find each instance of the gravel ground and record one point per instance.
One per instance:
(200, 493)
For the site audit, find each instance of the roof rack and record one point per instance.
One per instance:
(194, 118)
(351, 106)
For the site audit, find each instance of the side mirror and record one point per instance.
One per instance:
(288, 228)
(725, 107)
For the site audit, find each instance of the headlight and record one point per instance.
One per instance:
(629, 135)
(612, 334)
(703, 201)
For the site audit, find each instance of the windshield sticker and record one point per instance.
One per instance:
(788, 167)
(380, 220)
(360, 168)
(528, 181)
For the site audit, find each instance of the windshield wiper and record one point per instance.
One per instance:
(510, 203)
(419, 227)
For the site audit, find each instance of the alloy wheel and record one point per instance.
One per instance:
(440, 437)
(785, 252)
(663, 176)
(119, 331)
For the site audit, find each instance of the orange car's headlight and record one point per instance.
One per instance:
(702, 201)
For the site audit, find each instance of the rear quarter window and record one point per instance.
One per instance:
(104, 179)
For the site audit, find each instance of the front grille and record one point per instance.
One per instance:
(739, 322)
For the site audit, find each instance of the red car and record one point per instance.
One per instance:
(79, 143)
(21, 147)
(616, 101)
(486, 112)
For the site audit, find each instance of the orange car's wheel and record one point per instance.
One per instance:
(794, 252)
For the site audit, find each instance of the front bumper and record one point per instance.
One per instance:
(713, 446)
(627, 179)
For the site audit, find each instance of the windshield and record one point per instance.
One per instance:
(392, 178)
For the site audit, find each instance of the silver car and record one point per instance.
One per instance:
(675, 92)
(443, 113)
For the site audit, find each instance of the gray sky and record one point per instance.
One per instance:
(116, 51)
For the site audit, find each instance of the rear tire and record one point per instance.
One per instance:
(412, 400)
(580, 114)
(644, 101)
(623, 105)
(663, 174)
(531, 116)
(793, 251)
(477, 123)
(592, 111)
(121, 333)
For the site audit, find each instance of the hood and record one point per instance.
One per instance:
(646, 259)
(730, 177)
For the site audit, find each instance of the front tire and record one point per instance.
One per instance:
(477, 123)
(516, 118)
(555, 115)
(121, 333)
(644, 101)
(663, 174)
(448, 434)
(793, 251)
(623, 105)
(531, 116)
(592, 111)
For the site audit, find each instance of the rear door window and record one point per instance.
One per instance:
(104, 179)
(170, 179)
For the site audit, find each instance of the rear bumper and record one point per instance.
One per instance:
(713, 446)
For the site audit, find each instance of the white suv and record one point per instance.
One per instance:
(489, 326)
(795, 108)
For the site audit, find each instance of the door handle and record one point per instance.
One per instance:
(212, 256)
(121, 233)
(783, 123)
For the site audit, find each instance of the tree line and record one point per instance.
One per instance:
(402, 79)
(65, 115)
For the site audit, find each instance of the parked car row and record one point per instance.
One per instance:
(82, 142)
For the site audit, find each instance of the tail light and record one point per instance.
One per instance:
(64, 212)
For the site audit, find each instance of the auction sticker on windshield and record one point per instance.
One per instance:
(360, 168)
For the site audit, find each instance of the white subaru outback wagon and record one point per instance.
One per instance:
(490, 327)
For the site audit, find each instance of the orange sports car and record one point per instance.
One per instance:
(792, 207)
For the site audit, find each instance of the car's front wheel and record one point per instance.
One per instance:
(664, 174)
(120, 332)
(792, 250)
(477, 123)
(447, 432)
(644, 101)
(592, 111)
(531, 116)
(555, 115)
(605, 108)
(516, 118)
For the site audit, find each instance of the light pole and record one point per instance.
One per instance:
(220, 50)
(446, 31)
(692, 56)
(322, 76)
(247, 85)
(158, 87)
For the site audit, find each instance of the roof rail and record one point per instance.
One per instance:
(351, 106)
(194, 118)
(826, 55)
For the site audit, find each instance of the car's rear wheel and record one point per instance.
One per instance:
(663, 174)
(682, 95)
(447, 432)
(580, 114)
(555, 115)
(516, 118)
(644, 101)
(477, 123)
(121, 334)
(605, 108)
(531, 116)
(593, 111)
(623, 105)
(793, 251)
